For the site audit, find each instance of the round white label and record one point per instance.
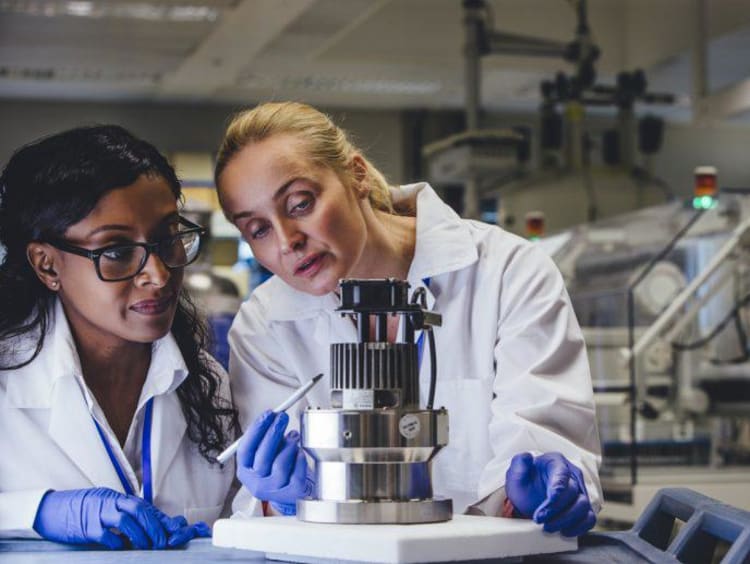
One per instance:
(409, 426)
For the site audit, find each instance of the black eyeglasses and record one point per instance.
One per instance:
(119, 262)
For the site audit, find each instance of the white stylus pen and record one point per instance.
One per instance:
(298, 394)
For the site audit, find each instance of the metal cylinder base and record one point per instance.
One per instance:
(375, 512)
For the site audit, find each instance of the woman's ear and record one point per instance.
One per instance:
(359, 174)
(42, 260)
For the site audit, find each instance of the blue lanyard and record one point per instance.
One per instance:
(420, 341)
(148, 492)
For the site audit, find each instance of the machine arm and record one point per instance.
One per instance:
(740, 238)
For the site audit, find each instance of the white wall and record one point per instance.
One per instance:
(725, 146)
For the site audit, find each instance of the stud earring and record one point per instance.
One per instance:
(54, 284)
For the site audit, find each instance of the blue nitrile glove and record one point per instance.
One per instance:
(550, 489)
(88, 515)
(187, 533)
(178, 530)
(272, 466)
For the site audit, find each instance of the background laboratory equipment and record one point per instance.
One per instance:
(373, 445)
(661, 295)
(587, 167)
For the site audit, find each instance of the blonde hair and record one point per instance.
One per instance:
(325, 143)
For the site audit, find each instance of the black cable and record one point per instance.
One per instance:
(667, 249)
(433, 368)
(703, 341)
(742, 336)
(632, 392)
(420, 296)
(631, 338)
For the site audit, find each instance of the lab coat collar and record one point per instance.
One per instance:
(72, 429)
(167, 433)
(166, 372)
(54, 381)
(32, 386)
(288, 304)
(443, 244)
(49, 382)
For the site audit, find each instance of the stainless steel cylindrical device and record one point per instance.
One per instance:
(372, 448)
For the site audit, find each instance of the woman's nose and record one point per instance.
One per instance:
(291, 239)
(155, 271)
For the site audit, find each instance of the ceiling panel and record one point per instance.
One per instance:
(69, 48)
(422, 31)
(352, 53)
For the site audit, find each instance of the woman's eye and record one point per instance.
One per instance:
(259, 232)
(120, 254)
(300, 205)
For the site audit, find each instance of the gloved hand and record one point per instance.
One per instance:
(87, 515)
(550, 490)
(272, 466)
(178, 530)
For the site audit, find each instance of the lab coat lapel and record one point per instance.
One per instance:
(322, 332)
(168, 425)
(292, 305)
(167, 433)
(72, 428)
(333, 328)
(443, 243)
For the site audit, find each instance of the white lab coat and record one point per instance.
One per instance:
(49, 440)
(512, 365)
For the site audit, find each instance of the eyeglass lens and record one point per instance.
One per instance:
(127, 260)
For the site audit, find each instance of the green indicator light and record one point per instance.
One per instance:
(534, 238)
(704, 202)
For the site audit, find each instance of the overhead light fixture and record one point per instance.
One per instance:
(149, 11)
(76, 74)
(334, 84)
(80, 9)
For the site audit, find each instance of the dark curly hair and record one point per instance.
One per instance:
(54, 183)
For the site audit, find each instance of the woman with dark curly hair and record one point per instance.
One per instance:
(110, 408)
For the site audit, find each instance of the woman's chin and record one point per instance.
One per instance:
(322, 290)
(315, 287)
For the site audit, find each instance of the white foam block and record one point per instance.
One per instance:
(465, 537)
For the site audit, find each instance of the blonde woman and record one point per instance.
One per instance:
(512, 371)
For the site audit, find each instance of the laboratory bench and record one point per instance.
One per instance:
(679, 525)
(196, 551)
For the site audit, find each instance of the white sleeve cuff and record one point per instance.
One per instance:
(18, 512)
(491, 505)
(245, 505)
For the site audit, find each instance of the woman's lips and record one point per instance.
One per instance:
(153, 307)
(310, 266)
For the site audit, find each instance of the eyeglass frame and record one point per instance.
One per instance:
(151, 249)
